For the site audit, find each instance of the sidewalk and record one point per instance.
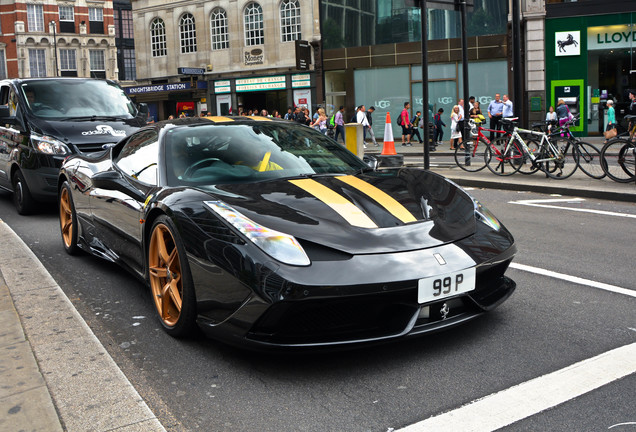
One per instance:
(57, 376)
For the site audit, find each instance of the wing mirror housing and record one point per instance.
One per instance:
(5, 115)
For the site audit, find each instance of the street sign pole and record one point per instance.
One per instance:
(425, 104)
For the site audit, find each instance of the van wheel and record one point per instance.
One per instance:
(24, 202)
(68, 220)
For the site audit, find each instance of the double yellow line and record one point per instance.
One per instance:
(347, 209)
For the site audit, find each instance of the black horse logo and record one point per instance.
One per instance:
(568, 41)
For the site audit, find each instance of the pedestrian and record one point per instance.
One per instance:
(460, 103)
(339, 121)
(475, 114)
(275, 114)
(507, 108)
(370, 120)
(300, 116)
(551, 118)
(415, 122)
(495, 110)
(611, 121)
(632, 105)
(456, 132)
(290, 114)
(307, 117)
(361, 118)
(406, 125)
(320, 124)
(471, 103)
(439, 127)
(563, 112)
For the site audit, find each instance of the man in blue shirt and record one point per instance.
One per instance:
(495, 111)
(507, 109)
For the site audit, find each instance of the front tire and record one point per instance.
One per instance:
(22, 198)
(170, 279)
(68, 220)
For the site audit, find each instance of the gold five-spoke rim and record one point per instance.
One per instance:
(165, 275)
(66, 217)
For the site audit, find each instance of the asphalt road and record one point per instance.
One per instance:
(547, 325)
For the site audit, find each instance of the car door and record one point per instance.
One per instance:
(118, 210)
(10, 135)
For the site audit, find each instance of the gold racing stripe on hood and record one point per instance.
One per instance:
(382, 198)
(337, 202)
(219, 119)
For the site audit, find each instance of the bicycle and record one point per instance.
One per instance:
(554, 161)
(618, 155)
(588, 155)
(471, 157)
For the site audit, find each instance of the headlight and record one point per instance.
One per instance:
(278, 245)
(485, 216)
(46, 144)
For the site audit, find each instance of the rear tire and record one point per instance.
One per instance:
(564, 163)
(618, 160)
(590, 160)
(22, 198)
(503, 164)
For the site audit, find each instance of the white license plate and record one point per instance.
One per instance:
(445, 285)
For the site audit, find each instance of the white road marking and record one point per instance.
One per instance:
(622, 424)
(526, 399)
(544, 203)
(574, 279)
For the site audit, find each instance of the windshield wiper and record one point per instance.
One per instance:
(93, 118)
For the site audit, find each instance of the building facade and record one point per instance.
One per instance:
(590, 51)
(234, 55)
(57, 38)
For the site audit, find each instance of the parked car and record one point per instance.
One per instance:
(44, 120)
(267, 233)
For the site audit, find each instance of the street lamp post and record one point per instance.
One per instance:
(55, 48)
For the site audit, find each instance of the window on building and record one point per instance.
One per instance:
(187, 34)
(96, 20)
(35, 18)
(130, 70)
(218, 27)
(68, 62)
(123, 21)
(253, 19)
(3, 65)
(158, 38)
(37, 62)
(67, 19)
(290, 20)
(98, 67)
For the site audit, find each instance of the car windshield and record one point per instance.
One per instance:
(77, 99)
(239, 153)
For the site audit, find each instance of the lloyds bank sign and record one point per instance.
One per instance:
(611, 37)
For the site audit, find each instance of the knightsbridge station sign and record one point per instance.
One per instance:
(611, 37)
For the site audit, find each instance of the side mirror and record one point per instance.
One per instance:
(113, 180)
(143, 109)
(371, 161)
(5, 115)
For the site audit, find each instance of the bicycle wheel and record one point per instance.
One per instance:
(561, 165)
(589, 159)
(471, 157)
(617, 160)
(503, 163)
(527, 166)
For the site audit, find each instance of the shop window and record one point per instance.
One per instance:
(253, 21)
(158, 45)
(290, 20)
(187, 34)
(35, 18)
(218, 28)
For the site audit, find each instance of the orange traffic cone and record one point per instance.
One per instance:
(389, 144)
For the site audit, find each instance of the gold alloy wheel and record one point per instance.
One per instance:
(66, 217)
(165, 275)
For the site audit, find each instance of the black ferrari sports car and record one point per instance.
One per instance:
(267, 233)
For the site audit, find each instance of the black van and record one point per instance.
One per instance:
(44, 120)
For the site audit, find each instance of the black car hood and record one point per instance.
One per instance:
(87, 134)
(378, 212)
